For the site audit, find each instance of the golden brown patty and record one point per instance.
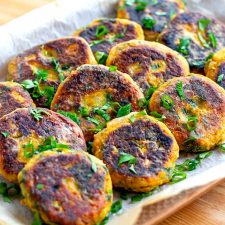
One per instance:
(195, 36)
(49, 64)
(26, 132)
(148, 63)
(215, 68)
(13, 96)
(138, 150)
(76, 188)
(94, 94)
(153, 15)
(103, 34)
(194, 108)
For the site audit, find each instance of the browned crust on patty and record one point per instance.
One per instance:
(90, 79)
(161, 11)
(21, 128)
(148, 63)
(204, 100)
(72, 192)
(119, 30)
(185, 25)
(70, 52)
(13, 96)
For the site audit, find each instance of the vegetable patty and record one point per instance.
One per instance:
(76, 188)
(13, 96)
(103, 34)
(94, 94)
(194, 111)
(138, 150)
(26, 132)
(41, 69)
(148, 63)
(215, 68)
(153, 15)
(195, 36)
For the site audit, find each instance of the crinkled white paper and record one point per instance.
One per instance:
(62, 18)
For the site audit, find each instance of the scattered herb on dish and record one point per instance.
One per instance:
(180, 90)
(71, 115)
(167, 102)
(9, 192)
(101, 57)
(148, 22)
(38, 113)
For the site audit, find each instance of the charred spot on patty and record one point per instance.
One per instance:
(13, 96)
(95, 94)
(197, 117)
(71, 191)
(103, 34)
(153, 16)
(195, 36)
(149, 64)
(26, 134)
(41, 69)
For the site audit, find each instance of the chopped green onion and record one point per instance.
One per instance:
(112, 68)
(101, 30)
(203, 24)
(192, 123)
(220, 78)
(212, 39)
(5, 134)
(167, 102)
(141, 5)
(180, 90)
(183, 46)
(71, 115)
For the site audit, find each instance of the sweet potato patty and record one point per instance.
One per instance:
(26, 132)
(194, 111)
(153, 15)
(47, 65)
(215, 68)
(76, 188)
(13, 96)
(148, 63)
(195, 36)
(138, 150)
(103, 34)
(94, 93)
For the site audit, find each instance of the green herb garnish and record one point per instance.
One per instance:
(71, 115)
(183, 46)
(222, 147)
(101, 57)
(37, 219)
(180, 90)
(141, 5)
(132, 118)
(148, 22)
(116, 207)
(192, 123)
(177, 177)
(124, 110)
(38, 113)
(220, 78)
(167, 102)
(5, 134)
(101, 30)
(112, 68)
(40, 186)
(212, 39)
(126, 158)
(203, 24)
(158, 116)
(139, 197)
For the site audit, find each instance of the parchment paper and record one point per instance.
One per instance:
(62, 18)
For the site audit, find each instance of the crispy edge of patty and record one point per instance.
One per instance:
(12, 177)
(123, 47)
(148, 34)
(13, 71)
(205, 143)
(213, 66)
(29, 201)
(18, 94)
(124, 22)
(137, 184)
